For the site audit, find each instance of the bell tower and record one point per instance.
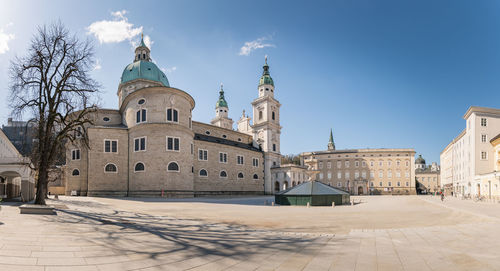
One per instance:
(266, 125)
(221, 112)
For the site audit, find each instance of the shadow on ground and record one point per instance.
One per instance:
(156, 236)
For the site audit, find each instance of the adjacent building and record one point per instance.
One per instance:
(364, 171)
(469, 161)
(16, 178)
(427, 177)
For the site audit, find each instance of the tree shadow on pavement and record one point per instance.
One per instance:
(158, 236)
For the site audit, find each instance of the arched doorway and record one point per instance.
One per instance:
(10, 185)
(285, 185)
(360, 190)
(276, 186)
(293, 184)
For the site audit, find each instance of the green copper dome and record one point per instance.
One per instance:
(144, 70)
(420, 160)
(222, 101)
(266, 79)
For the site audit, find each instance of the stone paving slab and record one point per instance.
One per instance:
(96, 236)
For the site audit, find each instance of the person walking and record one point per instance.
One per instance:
(442, 196)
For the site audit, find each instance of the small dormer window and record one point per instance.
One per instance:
(105, 119)
(141, 101)
(267, 89)
(207, 132)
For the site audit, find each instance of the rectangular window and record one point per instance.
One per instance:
(371, 184)
(407, 184)
(329, 175)
(389, 184)
(110, 145)
(222, 157)
(255, 162)
(483, 138)
(321, 176)
(380, 184)
(329, 165)
(141, 116)
(371, 164)
(398, 174)
(356, 174)
(372, 174)
(347, 175)
(321, 165)
(347, 163)
(381, 174)
(363, 174)
(484, 155)
(140, 144)
(202, 155)
(483, 122)
(239, 160)
(389, 174)
(356, 164)
(339, 175)
(75, 155)
(274, 147)
(172, 143)
(363, 164)
(339, 164)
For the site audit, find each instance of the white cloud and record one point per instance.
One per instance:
(4, 40)
(97, 65)
(169, 70)
(250, 46)
(116, 30)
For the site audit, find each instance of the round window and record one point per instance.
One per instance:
(105, 119)
(207, 132)
(224, 136)
(141, 101)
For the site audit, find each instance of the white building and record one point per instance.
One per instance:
(471, 154)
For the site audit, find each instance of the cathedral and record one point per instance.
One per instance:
(150, 146)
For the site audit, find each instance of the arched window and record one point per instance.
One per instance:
(276, 186)
(172, 115)
(75, 172)
(139, 167)
(203, 173)
(173, 166)
(260, 115)
(223, 174)
(110, 168)
(240, 175)
(255, 176)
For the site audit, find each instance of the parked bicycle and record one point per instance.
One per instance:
(479, 198)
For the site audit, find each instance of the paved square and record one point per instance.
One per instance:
(379, 233)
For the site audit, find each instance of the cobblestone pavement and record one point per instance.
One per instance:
(96, 234)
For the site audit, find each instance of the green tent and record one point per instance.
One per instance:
(316, 193)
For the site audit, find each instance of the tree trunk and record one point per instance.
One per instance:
(41, 185)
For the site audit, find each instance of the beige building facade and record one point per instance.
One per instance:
(150, 146)
(427, 177)
(471, 154)
(365, 171)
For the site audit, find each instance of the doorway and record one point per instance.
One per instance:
(360, 190)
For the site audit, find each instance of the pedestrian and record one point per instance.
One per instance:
(442, 196)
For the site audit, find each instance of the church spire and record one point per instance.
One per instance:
(222, 100)
(331, 144)
(266, 79)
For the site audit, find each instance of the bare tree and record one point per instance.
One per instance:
(51, 85)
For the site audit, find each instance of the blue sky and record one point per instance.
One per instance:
(382, 74)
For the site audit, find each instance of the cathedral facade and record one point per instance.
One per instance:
(150, 146)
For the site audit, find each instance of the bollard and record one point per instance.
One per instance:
(333, 204)
(272, 203)
(308, 205)
(352, 202)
